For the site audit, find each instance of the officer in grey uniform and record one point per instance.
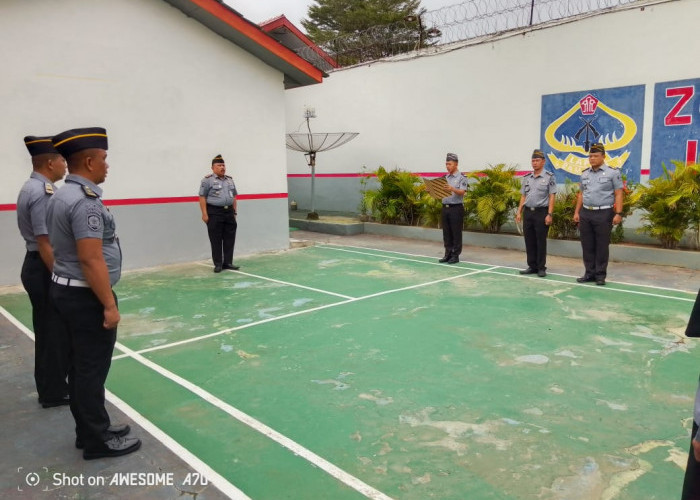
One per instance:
(50, 356)
(452, 216)
(598, 207)
(691, 482)
(537, 201)
(217, 201)
(87, 264)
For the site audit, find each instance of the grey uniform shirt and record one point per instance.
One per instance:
(598, 186)
(31, 209)
(219, 191)
(457, 181)
(537, 188)
(76, 212)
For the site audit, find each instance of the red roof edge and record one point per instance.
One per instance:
(283, 21)
(255, 33)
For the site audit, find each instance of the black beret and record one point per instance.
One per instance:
(74, 140)
(597, 147)
(452, 157)
(39, 145)
(217, 159)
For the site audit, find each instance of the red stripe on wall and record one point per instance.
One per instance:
(348, 176)
(154, 201)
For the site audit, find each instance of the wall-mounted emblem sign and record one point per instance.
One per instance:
(572, 121)
(676, 124)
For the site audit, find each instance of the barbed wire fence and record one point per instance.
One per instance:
(454, 23)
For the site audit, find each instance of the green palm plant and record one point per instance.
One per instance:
(397, 198)
(430, 210)
(494, 196)
(670, 203)
(563, 226)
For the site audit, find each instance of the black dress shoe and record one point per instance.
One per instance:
(115, 447)
(529, 270)
(231, 267)
(217, 269)
(59, 402)
(453, 260)
(445, 258)
(585, 279)
(118, 430)
(541, 273)
(600, 282)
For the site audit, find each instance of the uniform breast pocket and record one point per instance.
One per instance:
(217, 193)
(585, 184)
(527, 188)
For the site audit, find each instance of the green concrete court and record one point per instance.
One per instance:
(336, 372)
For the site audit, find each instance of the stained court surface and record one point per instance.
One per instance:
(342, 372)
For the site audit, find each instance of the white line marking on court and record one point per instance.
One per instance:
(185, 455)
(180, 451)
(236, 328)
(297, 313)
(263, 429)
(446, 266)
(285, 283)
(331, 247)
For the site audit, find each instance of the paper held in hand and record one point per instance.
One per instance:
(437, 188)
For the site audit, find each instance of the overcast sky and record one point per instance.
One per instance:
(295, 10)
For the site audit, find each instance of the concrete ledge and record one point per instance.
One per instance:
(688, 259)
(319, 226)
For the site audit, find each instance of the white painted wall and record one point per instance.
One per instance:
(483, 100)
(171, 93)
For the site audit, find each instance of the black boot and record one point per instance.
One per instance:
(448, 254)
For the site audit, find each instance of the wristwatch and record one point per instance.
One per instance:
(618, 213)
(549, 214)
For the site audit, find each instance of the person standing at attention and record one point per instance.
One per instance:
(598, 207)
(537, 201)
(88, 263)
(217, 201)
(50, 355)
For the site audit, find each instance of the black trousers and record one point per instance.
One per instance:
(50, 352)
(691, 481)
(535, 231)
(91, 348)
(452, 223)
(595, 227)
(221, 227)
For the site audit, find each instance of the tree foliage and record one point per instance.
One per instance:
(494, 196)
(359, 30)
(671, 204)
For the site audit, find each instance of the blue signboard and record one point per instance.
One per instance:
(676, 125)
(572, 121)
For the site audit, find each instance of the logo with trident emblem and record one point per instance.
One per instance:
(572, 122)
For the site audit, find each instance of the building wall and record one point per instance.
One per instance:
(171, 93)
(483, 100)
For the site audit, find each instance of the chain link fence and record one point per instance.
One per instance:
(455, 23)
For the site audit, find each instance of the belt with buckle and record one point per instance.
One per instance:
(451, 204)
(532, 209)
(603, 207)
(69, 281)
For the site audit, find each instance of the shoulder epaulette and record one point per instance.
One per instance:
(586, 169)
(228, 177)
(89, 192)
(48, 188)
(548, 172)
(207, 176)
